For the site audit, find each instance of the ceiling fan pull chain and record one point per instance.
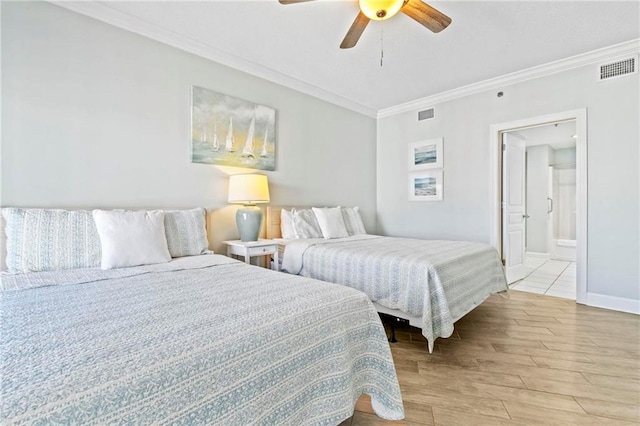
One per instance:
(381, 41)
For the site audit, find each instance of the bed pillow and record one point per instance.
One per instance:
(305, 224)
(286, 224)
(186, 232)
(131, 238)
(353, 221)
(50, 239)
(331, 222)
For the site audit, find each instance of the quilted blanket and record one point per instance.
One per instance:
(438, 281)
(201, 340)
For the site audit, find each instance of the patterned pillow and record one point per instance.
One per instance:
(186, 232)
(305, 224)
(353, 221)
(47, 240)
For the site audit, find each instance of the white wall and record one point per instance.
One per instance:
(564, 156)
(538, 160)
(95, 116)
(564, 194)
(613, 177)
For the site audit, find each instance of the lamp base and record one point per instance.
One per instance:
(249, 222)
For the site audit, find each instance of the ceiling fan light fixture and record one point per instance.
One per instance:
(379, 10)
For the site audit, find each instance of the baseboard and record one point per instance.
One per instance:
(564, 259)
(538, 255)
(621, 304)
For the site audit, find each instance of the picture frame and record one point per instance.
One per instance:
(426, 186)
(229, 131)
(426, 154)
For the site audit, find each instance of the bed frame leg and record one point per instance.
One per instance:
(393, 339)
(391, 322)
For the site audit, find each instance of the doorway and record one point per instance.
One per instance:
(539, 169)
(539, 202)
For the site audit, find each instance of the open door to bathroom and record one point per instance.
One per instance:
(539, 241)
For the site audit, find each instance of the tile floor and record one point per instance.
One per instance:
(551, 277)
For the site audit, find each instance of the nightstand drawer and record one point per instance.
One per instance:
(249, 249)
(257, 251)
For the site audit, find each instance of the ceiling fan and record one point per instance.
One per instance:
(380, 10)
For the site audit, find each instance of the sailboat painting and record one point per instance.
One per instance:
(228, 131)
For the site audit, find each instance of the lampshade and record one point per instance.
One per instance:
(380, 9)
(248, 189)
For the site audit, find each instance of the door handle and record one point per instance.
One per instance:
(550, 203)
(525, 216)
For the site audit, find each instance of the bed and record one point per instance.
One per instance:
(429, 283)
(200, 339)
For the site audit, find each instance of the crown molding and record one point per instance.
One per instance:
(631, 47)
(104, 13)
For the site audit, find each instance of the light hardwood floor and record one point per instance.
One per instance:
(527, 360)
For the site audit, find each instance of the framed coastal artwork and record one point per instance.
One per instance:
(425, 186)
(426, 154)
(228, 131)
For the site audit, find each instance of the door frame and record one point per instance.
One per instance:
(495, 157)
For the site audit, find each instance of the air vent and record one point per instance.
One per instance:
(426, 114)
(618, 68)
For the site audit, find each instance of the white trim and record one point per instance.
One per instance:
(563, 258)
(103, 12)
(621, 304)
(495, 154)
(596, 56)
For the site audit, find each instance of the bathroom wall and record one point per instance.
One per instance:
(564, 194)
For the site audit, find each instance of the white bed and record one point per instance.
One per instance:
(430, 283)
(201, 339)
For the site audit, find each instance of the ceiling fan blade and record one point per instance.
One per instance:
(426, 15)
(293, 1)
(354, 33)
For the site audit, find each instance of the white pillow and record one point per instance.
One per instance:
(331, 222)
(305, 224)
(286, 224)
(353, 221)
(131, 238)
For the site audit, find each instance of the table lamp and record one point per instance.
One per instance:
(248, 190)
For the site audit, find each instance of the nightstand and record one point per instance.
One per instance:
(249, 249)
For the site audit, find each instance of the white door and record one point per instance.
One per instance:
(513, 206)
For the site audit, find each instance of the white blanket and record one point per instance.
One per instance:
(202, 340)
(294, 249)
(439, 281)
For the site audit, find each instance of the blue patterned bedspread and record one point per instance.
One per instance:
(201, 340)
(438, 281)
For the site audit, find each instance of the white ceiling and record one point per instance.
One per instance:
(556, 135)
(298, 44)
